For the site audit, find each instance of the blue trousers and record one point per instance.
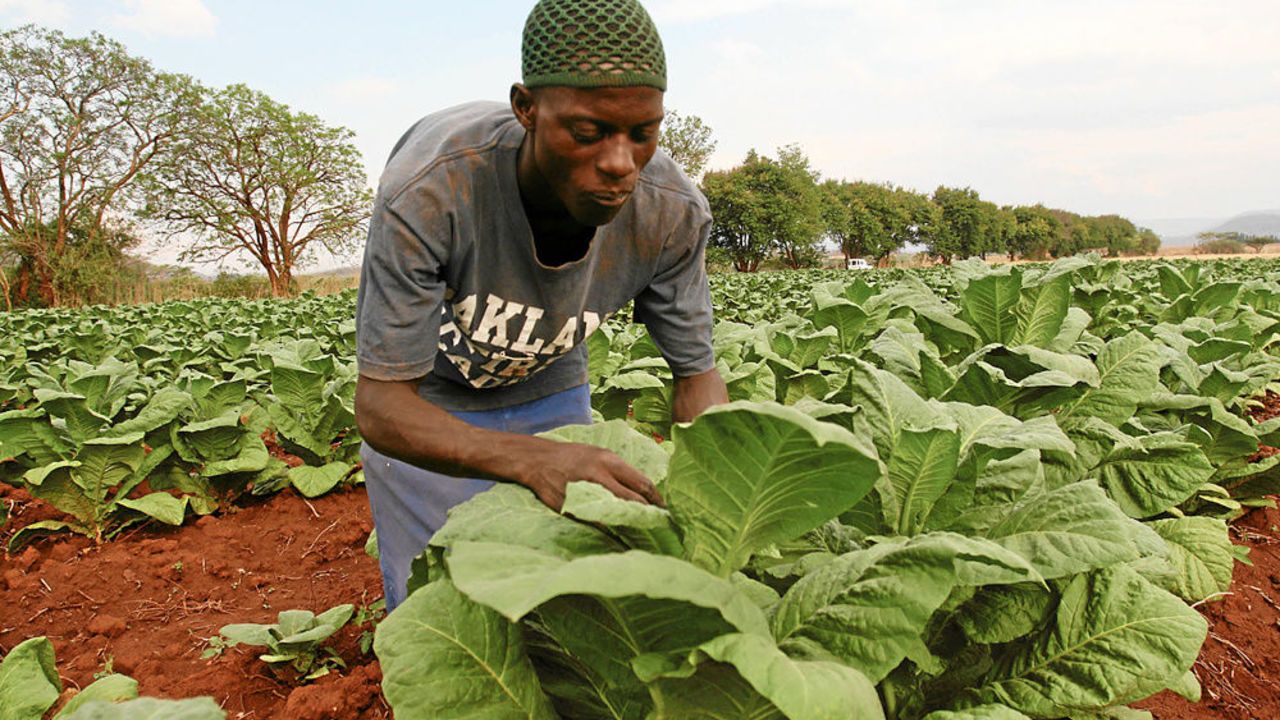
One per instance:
(410, 504)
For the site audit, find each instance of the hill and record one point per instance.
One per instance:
(1177, 232)
(1262, 222)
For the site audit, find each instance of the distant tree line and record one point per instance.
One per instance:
(780, 208)
(1230, 243)
(96, 144)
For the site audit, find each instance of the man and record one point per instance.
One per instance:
(504, 235)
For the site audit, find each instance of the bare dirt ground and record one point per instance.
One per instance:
(145, 603)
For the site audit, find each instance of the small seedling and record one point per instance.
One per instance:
(296, 638)
(107, 668)
(216, 646)
(370, 614)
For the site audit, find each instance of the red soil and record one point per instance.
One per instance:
(145, 603)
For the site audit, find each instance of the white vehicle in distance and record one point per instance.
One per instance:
(856, 264)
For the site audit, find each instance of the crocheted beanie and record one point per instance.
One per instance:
(592, 43)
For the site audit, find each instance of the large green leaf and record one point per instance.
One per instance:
(890, 406)
(870, 607)
(985, 426)
(164, 407)
(638, 525)
(748, 475)
(1005, 613)
(582, 648)
(1041, 310)
(714, 692)
(639, 451)
(1116, 639)
(1154, 473)
(515, 580)
(801, 690)
(989, 304)
(1065, 531)
(444, 656)
(203, 708)
(1129, 368)
(29, 683)
(1201, 552)
(110, 688)
(313, 481)
(920, 471)
(158, 505)
(511, 514)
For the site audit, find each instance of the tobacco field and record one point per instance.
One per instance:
(963, 493)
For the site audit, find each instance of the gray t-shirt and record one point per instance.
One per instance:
(451, 290)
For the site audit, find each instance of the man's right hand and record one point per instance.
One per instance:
(551, 466)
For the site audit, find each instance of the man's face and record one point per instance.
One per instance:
(589, 146)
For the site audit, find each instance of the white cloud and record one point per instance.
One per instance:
(167, 18)
(364, 89)
(41, 12)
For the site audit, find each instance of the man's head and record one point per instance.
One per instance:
(591, 101)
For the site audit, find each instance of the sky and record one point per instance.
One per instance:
(1149, 109)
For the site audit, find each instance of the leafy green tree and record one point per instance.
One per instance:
(687, 139)
(1033, 233)
(765, 207)
(967, 224)
(737, 228)
(1117, 234)
(1147, 243)
(874, 220)
(849, 222)
(795, 208)
(80, 119)
(253, 178)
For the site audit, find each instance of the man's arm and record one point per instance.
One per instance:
(397, 422)
(695, 393)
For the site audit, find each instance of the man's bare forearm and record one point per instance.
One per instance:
(694, 394)
(397, 422)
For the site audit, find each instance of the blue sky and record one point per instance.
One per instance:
(1150, 109)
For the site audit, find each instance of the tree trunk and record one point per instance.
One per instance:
(282, 283)
(4, 286)
(45, 289)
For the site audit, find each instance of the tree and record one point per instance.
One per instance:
(794, 217)
(847, 219)
(765, 207)
(1117, 234)
(1219, 243)
(1147, 243)
(736, 226)
(80, 119)
(1033, 233)
(1257, 242)
(688, 141)
(252, 178)
(967, 224)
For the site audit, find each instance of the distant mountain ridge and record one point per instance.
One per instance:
(1263, 222)
(1183, 231)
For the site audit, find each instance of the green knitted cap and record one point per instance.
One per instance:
(592, 43)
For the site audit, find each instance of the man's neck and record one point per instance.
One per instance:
(558, 239)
